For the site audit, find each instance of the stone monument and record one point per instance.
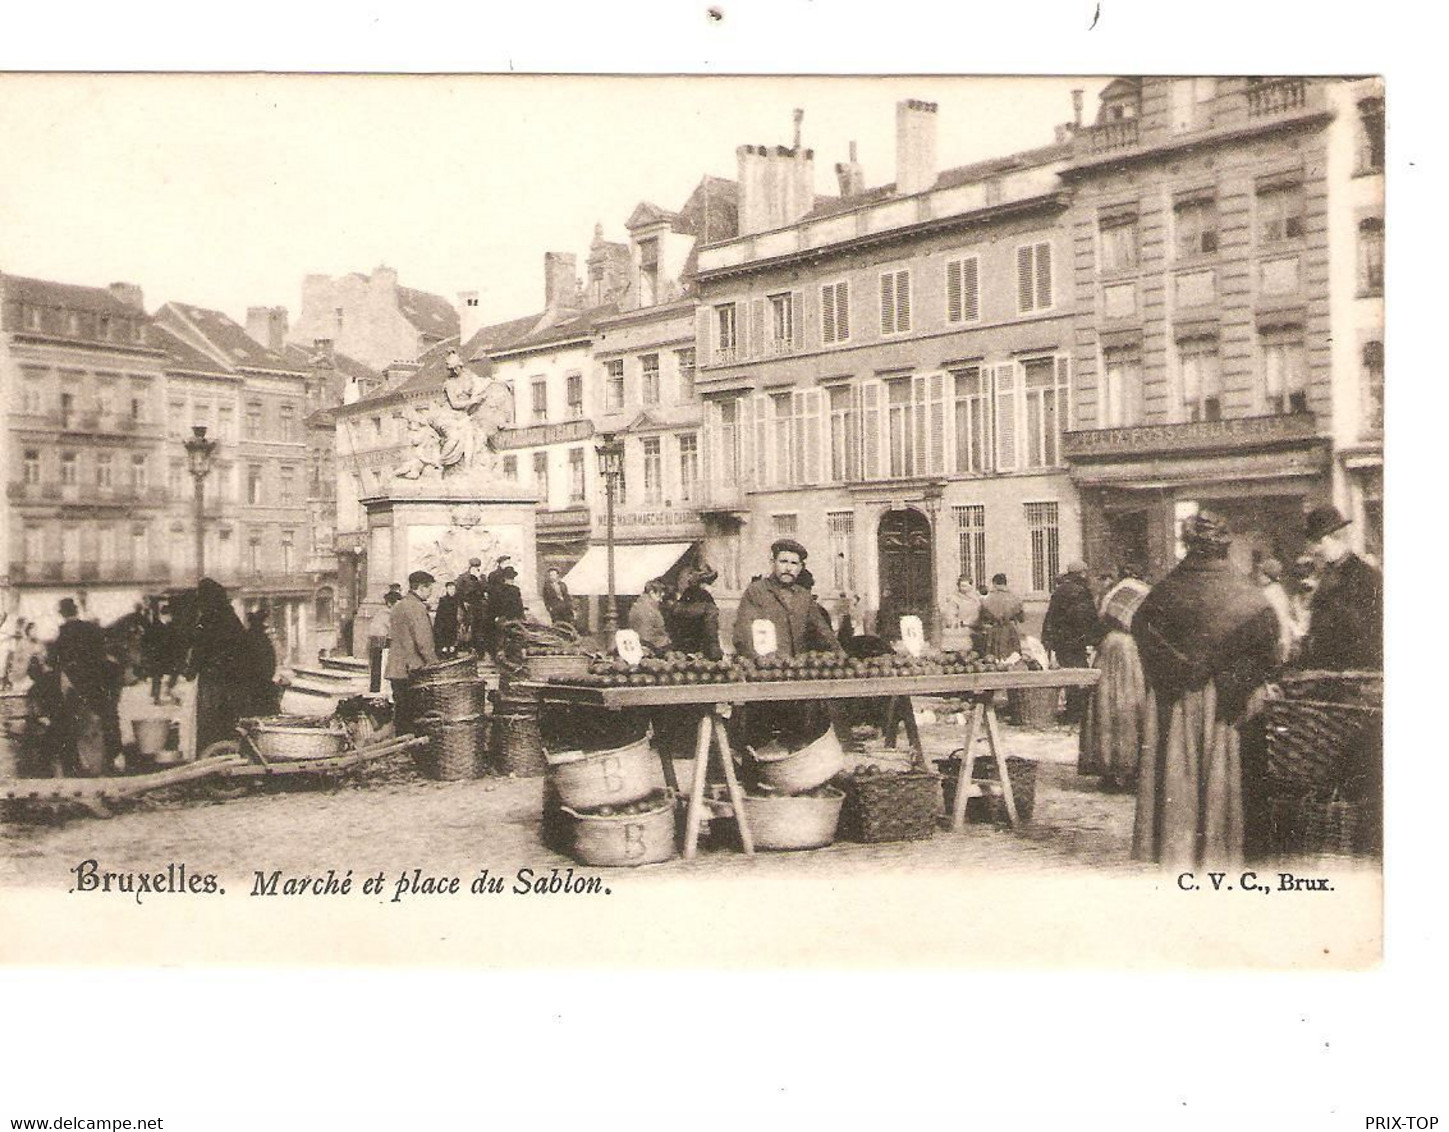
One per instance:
(447, 501)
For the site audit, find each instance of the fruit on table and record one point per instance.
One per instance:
(683, 669)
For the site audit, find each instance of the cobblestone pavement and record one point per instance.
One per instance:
(385, 816)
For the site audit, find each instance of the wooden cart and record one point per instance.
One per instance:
(711, 742)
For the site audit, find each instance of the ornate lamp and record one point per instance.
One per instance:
(199, 452)
(611, 466)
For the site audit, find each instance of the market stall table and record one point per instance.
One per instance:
(980, 687)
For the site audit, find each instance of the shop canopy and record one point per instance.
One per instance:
(633, 566)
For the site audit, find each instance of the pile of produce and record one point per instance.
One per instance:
(652, 671)
(679, 668)
(645, 805)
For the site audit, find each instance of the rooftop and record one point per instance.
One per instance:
(431, 314)
(69, 296)
(227, 339)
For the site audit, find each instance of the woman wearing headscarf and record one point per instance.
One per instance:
(218, 644)
(1208, 640)
(1111, 738)
(692, 619)
(258, 695)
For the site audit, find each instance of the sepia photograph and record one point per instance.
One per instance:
(875, 484)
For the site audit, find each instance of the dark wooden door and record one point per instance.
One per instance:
(906, 578)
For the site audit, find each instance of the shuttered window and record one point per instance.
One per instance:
(835, 313)
(870, 406)
(963, 290)
(1033, 278)
(971, 421)
(844, 433)
(895, 302)
(1005, 393)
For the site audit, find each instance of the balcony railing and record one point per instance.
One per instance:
(1111, 136)
(726, 355)
(1276, 96)
(1233, 434)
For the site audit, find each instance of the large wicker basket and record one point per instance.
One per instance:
(517, 745)
(453, 699)
(1315, 827)
(455, 749)
(555, 667)
(991, 806)
(463, 667)
(617, 776)
(294, 738)
(892, 807)
(1321, 747)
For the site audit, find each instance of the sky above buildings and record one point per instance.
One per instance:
(225, 190)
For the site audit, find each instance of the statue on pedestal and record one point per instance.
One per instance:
(450, 440)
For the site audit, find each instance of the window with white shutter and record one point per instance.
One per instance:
(810, 414)
(785, 434)
(963, 290)
(756, 347)
(763, 468)
(1033, 278)
(895, 302)
(746, 470)
(835, 313)
(1005, 393)
(972, 420)
(870, 429)
(935, 446)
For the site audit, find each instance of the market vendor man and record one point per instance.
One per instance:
(777, 606)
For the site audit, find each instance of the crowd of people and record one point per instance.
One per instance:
(73, 683)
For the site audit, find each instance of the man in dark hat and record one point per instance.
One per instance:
(505, 603)
(91, 687)
(1070, 628)
(411, 644)
(1346, 617)
(470, 591)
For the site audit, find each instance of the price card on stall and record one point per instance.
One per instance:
(762, 636)
(626, 643)
(913, 635)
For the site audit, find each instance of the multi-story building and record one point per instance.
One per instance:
(372, 318)
(253, 401)
(84, 447)
(885, 375)
(1227, 255)
(640, 388)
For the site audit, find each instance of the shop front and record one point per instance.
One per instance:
(1137, 485)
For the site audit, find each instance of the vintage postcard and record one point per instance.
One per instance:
(899, 522)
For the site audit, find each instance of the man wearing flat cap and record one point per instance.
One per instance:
(1346, 618)
(470, 592)
(412, 645)
(800, 626)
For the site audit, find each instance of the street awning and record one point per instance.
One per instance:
(633, 566)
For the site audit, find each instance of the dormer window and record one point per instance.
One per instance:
(649, 271)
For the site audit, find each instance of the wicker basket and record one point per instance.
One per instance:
(455, 749)
(1319, 747)
(625, 839)
(794, 822)
(517, 746)
(812, 765)
(454, 699)
(586, 780)
(893, 807)
(1034, 708)
(278, 740)
(1314, 827)
(463, 667)
(556, 667)
(991, 807)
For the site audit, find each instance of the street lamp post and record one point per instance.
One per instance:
(199, 451)
(611, 467)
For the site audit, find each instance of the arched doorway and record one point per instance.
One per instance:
(903, 542)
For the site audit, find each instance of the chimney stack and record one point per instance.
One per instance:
(267, 326)
(776, 184)
(130, 294)
(1077, 108)
(915, 146)
(850, 175)
(560, 281)
(470, 316)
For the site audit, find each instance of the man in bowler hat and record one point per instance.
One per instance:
(1346, 617)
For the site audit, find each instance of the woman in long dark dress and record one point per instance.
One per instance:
(1208, 640)
(259, 668)
(217, 646)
